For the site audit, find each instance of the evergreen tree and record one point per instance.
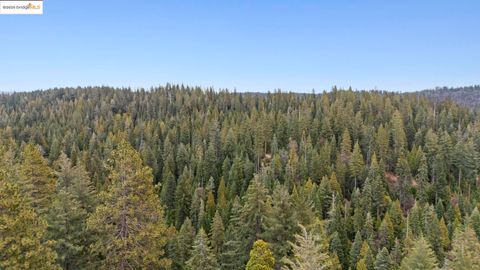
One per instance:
(183, 197)
(37, 179)
(382, 262)
(261, 258)
(346, 146)
(404, 182)
(222, 199)
(386, 233)
(465, 250)
(281, 223)
(129, 221)
(356, 247)
(203, 257)
(366, 256)
(67, 228)
(183, 243)
(474, 221)
(310, 252)
(420, 256)
(253, 216)
(233, 246)
(76, 181)
(22, 231)
(74, 200)
(356, 163)
(217, 233)
(210, 209)
(433, 234)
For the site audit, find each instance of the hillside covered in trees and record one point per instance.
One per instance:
(468, 96)
(185, 178)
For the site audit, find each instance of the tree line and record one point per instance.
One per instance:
(179, 177)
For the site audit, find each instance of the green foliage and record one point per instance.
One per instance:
(310, 252)
(261, 258)
(420, 256)
(383, 262)
(203, 257)
(253, 216)
(217, 233)
(129, 220)
(183, 243)
(378, 170)
(465, 250)
(37, 179)
(281, 223)
(22, 231)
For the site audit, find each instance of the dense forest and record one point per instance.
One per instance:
(468, 96)
(178, 178)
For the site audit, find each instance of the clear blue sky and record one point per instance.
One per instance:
(247, 45)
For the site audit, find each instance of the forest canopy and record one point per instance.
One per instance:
(181, 177)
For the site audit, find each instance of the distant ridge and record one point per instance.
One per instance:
(467, 96)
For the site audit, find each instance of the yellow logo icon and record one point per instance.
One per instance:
(31, 6)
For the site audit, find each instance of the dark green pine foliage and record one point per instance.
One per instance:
(253, 216)
(416, 154)
(356, 247)
(202, 257)
(383, 261)
(233, 244)
(74, 201)
(282, 223)
(217, 234)
(183, 244)
(183, 197)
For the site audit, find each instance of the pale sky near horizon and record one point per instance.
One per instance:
(243, 45)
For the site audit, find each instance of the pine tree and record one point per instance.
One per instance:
(444, 234)
(366, 256)
(376, 188)
(209, 209)
(67, 228)
(398, 133)
(74, 200)
(474, 221)
(396, 254)
(356, 247)
(420, 256)
(382, 262)
(465, 250)
(167, 194)
(76, 181)
(37, 179)
(396, 215)
(253, 216)
(233, 245)
(382, 140)
(222, 199)
(356, 163)
(324, 196)
(432, 233)
(183, 197)
(22, 232)
(183, 243)
(129, 221)
(203, 257)
(281, 223)
(310, 252)
(386, 233)
(337, 247)
(217, 233)
(261, 258)
(404, 182)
